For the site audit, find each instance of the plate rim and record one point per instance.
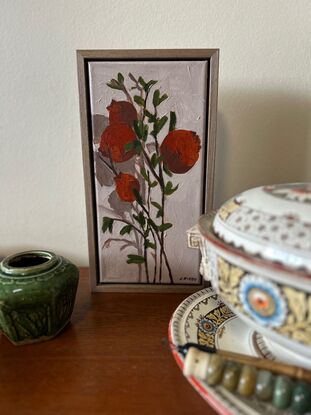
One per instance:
(219, 403)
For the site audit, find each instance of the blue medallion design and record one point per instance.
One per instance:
(263, 301)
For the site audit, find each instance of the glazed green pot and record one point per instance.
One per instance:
(37, 294)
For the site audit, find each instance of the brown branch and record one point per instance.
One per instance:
(151, 166)
(163, 253)
(129, 223)
(109, 166)
(139, 250)
(128, 96)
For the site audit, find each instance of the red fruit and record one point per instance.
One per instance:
(125, 184)
(113, 141)
(122, 111)
(180, 150)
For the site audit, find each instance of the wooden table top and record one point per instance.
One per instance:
(112, 359)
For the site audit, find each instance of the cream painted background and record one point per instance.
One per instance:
(264, 131)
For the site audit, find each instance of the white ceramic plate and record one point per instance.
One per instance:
(204, 319)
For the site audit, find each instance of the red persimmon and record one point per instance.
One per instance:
(113, 141)
(125, 184)
(180, 150)
(122, 111)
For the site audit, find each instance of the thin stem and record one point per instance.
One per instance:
(155, 256)
(145, 105)
(111, 162)
(129, 223)
(162, 184)
(153, 235)
(136, 83)
(151, 166)
(128, 96)
(146, 264)
(107, 242)
(162, 250)
(110, 166)
(149, 192)
(162, 234)
(168, 267)
(163, 253)
(145, 253)
(139, 250)
(145, 250)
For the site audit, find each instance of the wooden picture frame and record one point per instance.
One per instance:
(94, 67)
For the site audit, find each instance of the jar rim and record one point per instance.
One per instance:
(28, 263)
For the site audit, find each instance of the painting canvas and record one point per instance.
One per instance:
(148, 140)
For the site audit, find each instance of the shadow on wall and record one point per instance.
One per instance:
(263, 138)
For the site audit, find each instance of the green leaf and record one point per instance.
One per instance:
(140, 219)
(107, 224)
(138, 198)
(172, 121)
(139, 100)
(153, 184)
(151, 117)
(120, 78)
(145, 132)
(135, 259)
(156, 98)
(166, 170)
(142, 81)
(149, 85)
(126, 229)
(159, 124)
(149, 244)
(137, 128)
(137, 146)
(129, 146)
(159, 207)
(132, 77)
(169, 189)
(163, 98)
(114, 84)
(143, 172)
(164, 227)
(152, 224)
(154, 160)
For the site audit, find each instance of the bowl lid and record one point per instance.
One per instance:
(273, 222)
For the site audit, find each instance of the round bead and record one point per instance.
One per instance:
(196, 363)
(264, 385)
(215, 369)
(231, 376)
(247, 380)
(282, 392)
(301, 400)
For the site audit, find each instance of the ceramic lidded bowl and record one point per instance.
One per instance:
(37, 295)
(257, 253)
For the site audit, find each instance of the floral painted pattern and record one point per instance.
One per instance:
(209, 324)
(263, 301)
(297, 192)
(286, 309)
(285, 230)
(227, 209)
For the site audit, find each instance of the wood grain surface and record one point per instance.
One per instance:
(112, 359)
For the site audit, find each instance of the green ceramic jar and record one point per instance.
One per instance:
(37, 294)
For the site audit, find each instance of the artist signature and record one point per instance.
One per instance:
(188, 279)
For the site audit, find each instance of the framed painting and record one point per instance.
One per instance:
(148, 123)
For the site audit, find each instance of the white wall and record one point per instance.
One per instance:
(264, 99)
